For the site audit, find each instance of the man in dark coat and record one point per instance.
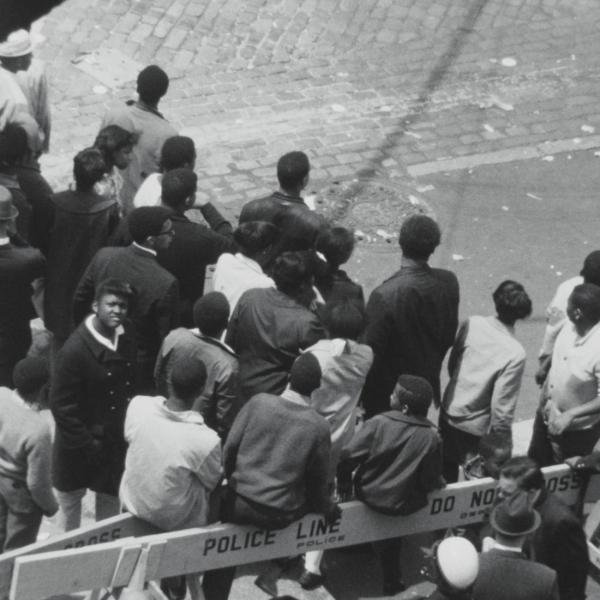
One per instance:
(400, 458)
(156, 307)
(270, 327)
(194, 246)
(79, 223)
(504, 572)
(92, 385)
(559, 542)
(412, 317)
(19, 267)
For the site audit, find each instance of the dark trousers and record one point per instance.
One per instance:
(388, 552)
(20, 516)
(458, 445)
(547, 449)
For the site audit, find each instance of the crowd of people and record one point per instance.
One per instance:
(185, 406)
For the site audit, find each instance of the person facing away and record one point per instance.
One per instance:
(486, 368)
(243, 271)
(504, 571)
(334, 247)
(270, 327)
(79, 224)
(399, 458)
(560, 541)
(194, 246)
(178, 152)
(156, 309)
(411, 318)
(25, 451)
(142, 119)
(217, 402)
(276, 457)
(20, 267)
(344, 365)
(93, 381)
(556, 312)
(173, 466)
(567, 422)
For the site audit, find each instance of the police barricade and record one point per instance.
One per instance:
(109, 554)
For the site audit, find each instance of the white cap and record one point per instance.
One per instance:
(458, 562)
(18, 43)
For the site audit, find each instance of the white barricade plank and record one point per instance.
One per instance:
(114, 528)
(195, 550)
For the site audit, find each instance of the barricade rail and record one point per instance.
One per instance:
(116, 552)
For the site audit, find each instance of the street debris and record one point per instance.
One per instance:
(529, 195)
(458, 257)
(597, 153)
(505, 208)
(425, 188)
(548, 158)
(99, 89)
(588, 129)
(488, 127)
(413, 134)
(494, 101)
(338, 108)
(508, 62)
(414, 200)
(385, 235)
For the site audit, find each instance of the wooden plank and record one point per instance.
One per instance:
(114, 528)
(197, 550)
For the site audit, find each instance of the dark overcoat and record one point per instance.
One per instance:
(91, 389)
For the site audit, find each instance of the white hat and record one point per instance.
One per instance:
(458, 562)
(18, 43)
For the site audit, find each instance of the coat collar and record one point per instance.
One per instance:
(396, 415)
(214, 342)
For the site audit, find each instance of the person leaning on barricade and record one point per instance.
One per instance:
(173, 465)
(399, 453)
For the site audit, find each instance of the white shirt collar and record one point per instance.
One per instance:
(4, 241)
(499, 546)
(110, 344)
(295, 397)
(140, 247)
(249, 262)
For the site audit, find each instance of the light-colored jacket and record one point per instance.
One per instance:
(344, 366)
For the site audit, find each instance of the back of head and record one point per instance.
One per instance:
(511, 301)
(152, 84)
(345, 320)
(525, 471)
(188, 378)
(30, 374)
(112, 138)
(457, 562)
(147, 221)
(420, 235)
(177, 151)
(89, 167)
(292, 169)
(413, 392)
(252, 237)
(591, 268)
(293, 272)
(299, 227)
(177, 186)
(586, 297)
(495, 448)
(211, 314)
(336, 245)
(14, 147)
(305, 375)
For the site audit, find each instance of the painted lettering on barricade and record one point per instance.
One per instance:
(99, 538)
(317, 533)
(239, 541)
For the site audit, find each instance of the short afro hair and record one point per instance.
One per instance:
(147, 221)
(152, 84)
(420, 235)
(115, 287)
(211, 313)
(336, 245)
(292, 168)
(253, 237)
(305, 376)
(586, 297)
(177, 186)
(344, 319)
(177, 151)
(292, 271)
(525, 471)
(188, 377)
(591, 268)
(89, 167)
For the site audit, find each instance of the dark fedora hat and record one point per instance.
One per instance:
(7, 208)
(514, 516)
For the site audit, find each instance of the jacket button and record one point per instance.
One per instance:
(113, 408)
(112, 392)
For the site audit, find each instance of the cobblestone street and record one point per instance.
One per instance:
(486, 109)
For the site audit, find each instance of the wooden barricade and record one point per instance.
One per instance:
(47, 568)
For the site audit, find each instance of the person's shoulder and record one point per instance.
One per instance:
(445, 276)
(122, 115)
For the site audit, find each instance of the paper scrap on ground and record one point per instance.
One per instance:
(588, 129)
(458, 257)
(425, 188)
(508, 62)
(533, 196)
(548, 158)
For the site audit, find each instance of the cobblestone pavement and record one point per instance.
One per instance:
(392, 88)
(361, 86)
